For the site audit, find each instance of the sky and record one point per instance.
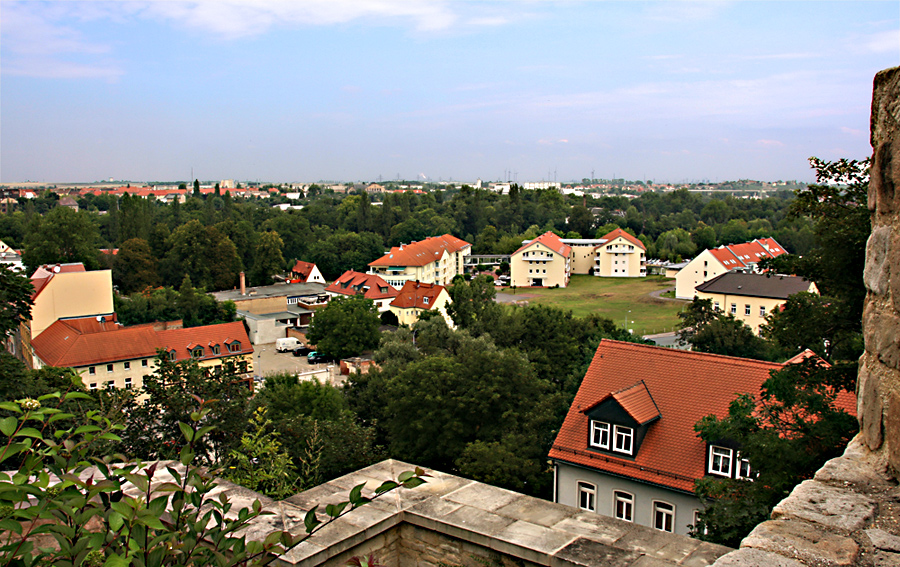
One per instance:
(368, 90)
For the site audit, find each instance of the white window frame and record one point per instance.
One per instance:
(145, 363)
(627, 501)
(109, 368)
(126, 365)
(92, 370)
(128, 384)
(725, 455)
(586, 496)
(762, 310)
(739, 468)
(716, 305)
(734, 308)
(663, 516)
(622, 433)
(600, 427)
(747, 309)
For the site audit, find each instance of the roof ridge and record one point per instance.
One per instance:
(680, 353)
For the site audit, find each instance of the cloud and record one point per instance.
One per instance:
(770, 143)
(883, 42)
(852, 131)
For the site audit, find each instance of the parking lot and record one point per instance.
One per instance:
(267, 361)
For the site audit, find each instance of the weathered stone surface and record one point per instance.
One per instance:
(886, 559)
(531, 542)
(596, 527)
(536, 511)
(802, 541)
(586, 553)
(705, 554)
(869, 407)
(884, 127)
(859, 466)
(482, 496)
(884, 540)
(892, 430)
(834, 507)
(748, 557)
(880, 330)
(877, 272)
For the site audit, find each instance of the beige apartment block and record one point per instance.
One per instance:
(415, 298)
(752, 297)
(716, 261)
(435, 260)
(544, 262)
(621, 256)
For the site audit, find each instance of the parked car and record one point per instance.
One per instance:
(302, 350)
(317, 357)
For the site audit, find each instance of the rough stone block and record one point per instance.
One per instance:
(705, 554)
(536, 511)
(802, 541)
(652, 542)
(530, 542)
(880, 330)
(827, 505)
(884, 540)
(869, 407)
(596, 527)
(892, 430)
(483, 496)
(586, 553)
(886, 559)
(748, 557)
(858, 466)
(877, 272)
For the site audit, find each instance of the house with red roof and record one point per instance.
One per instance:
(108, 355)
(416, 298)
(545, 261)
(435, 260)
(628, 448)
(305, 272)
(716, 261)
(370, 286)
(622, 255)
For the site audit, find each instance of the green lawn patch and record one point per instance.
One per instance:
(619, 299)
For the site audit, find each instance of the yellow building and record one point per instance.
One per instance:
(620, 256)
(544, 262)
(435, 260)
(416, 297)
(752, 297)
(108, 355)
(716, 261)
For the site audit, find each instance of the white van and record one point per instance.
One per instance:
(287, 345)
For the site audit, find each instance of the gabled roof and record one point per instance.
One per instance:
(304, 269)
(414, 295)
(42, 276)
(636, 401)
(79, 342)
(619, 233)
(421, 253)
(755, 285)
(370, 286)
(551, 241)
(686, 386)
(742, 255)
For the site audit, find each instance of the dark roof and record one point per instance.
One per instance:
(755, 285)
(685, 386)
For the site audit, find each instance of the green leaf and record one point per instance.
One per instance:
(9, 525)
(8, 425)
(186, 455)
(116, 561)
(186, 431)
(386, 486)
(29, 432)
(86, 429)
(405, 475)
(59, 416)
(10, 406)
(272, 539)
(116, 521)
(78, 396)
(413, 482)
(310, 521)
(334, 510)
(356, 497)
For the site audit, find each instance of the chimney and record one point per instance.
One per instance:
(243, 284)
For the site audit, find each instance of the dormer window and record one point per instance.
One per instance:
(214, 349)
(720, 459)
(197, 352)
(172, 355)
(623, 439)
(234, 347)
(425, 300)
(600, 435)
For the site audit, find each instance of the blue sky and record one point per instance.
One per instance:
(356, 89)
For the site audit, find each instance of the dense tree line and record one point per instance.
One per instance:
(213, 237)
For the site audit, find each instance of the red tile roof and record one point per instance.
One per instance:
(421, 253)
(552, 242)
(414, 295)
(621, 233)
(303, 269)
(740, 255)
(685, 387)
(84, 342)
(636, 401)
(370, 285)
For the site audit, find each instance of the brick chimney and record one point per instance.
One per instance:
(243, 284)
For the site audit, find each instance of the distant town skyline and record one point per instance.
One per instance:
(350, 90)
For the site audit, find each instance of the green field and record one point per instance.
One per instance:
(619, 299)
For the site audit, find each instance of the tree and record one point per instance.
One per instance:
(203, 253)
(260, 463)
(15, 300)
(470, 301)
(581, 220)
(63, 236)
(268, 260)
(730, 337)
(345, 327)
(135, 268)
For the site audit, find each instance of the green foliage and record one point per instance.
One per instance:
(203, 253)
(15, 300)
(260, 463)
(709, 330)
(268, 260)
(167, 304)
(134, 267)
(62, 236)
(346, 327)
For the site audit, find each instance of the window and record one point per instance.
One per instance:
(197, 352)
(145, 363)
(743, 469)
(734, 308)
(172, 355)
(92, 370)
(720, 460)
(215, 349)
(587, 493)
(127, 365)
(663, 516)
(425, 300)
(716, 305)
(623, 438)
(128, 383)
(93, 385)
(600, 434)
(697, 521)
(762, 310)
(110, 384)
(109, 367)
(746, 310)
(623, 506)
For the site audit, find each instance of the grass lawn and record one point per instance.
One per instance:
(619, 299)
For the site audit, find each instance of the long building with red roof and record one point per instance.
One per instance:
(435, 260)
(628, 448)
(369, 286)
(716, 261)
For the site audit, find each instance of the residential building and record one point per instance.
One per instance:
(276, 298)
(306, 272)
(584, 253)
(716, 261)
(751, 297)
(544, 262)
(369, 286)
(67, 201)
(435, 260)
(416, 297)
(621, 255)
(108, 355)
(628, 448)
(11, 258)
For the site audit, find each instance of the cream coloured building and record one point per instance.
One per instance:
(544, 262)
(620, 256)
(752, 297)
(716, 261)
(435, 260)
(415, 298)
(68, 290)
